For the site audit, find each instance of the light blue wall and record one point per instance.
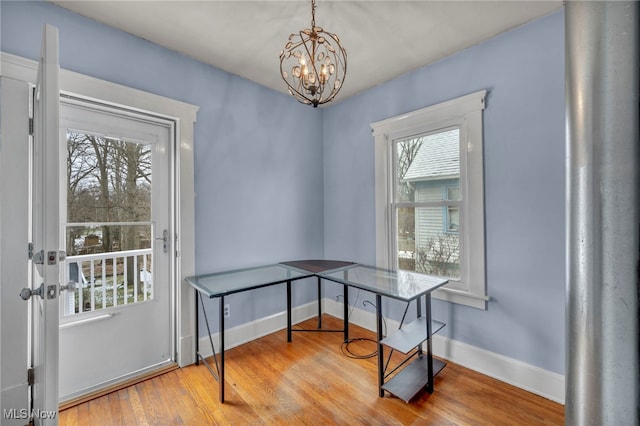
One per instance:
(265, 194)
(258, 182)
(524, 143)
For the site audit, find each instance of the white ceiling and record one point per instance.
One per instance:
(383, 39)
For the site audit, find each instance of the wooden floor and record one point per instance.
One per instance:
(311, 382)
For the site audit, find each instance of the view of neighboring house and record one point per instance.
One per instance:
(434, 176)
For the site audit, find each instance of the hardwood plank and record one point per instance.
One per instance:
(139, 411)
(310, 381)
(100, 411)
(118, 416)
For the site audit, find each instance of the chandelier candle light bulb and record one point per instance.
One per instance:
(313, 64)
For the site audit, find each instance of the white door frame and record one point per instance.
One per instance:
(185, 116)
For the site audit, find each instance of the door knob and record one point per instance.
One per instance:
(69, 286)
(26, 292)
(165, 240)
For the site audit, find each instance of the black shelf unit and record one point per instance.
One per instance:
(411, 335)
(412, 378)
(412, 374)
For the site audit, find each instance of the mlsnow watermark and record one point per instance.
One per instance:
(23, 414)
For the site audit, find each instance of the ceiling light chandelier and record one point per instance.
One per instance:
(313, 64)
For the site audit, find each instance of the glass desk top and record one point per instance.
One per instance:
(317, 265)
(228, 282)
(402, 285)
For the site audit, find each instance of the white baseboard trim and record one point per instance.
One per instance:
(517, 373)
(537, 380)
(244, 333)
(186, 354)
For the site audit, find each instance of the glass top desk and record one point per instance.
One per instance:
(405, 286)
(401, 285)
(221, 284)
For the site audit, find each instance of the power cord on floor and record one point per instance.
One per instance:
(344, 347)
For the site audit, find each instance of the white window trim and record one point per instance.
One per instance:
(466, 112)
(184, 115)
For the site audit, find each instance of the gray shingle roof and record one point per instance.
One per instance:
(438, 157)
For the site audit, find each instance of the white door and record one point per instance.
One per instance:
(29, 178)
(118, 323)
(14, 262)
(48, 254)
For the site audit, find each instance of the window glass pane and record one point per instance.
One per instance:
(428, 167)
(107, 281)
(406, 238)
(428, 247)
(453, 219)
(109, 230)
(109, 180)
(406, 152)
(453, 192)
(105, 238)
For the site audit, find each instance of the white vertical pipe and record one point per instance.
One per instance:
(602, 94)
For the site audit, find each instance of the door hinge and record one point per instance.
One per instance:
(30, 250)
(30, 126)
(30, 376)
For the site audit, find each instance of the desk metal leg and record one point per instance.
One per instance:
(221, 349)
(419, 315)
(289, 311)
(345, 293)
(427, 298)
(290, 330)
(379, 339)
(197, 329)
(219, 376)
(319, 303)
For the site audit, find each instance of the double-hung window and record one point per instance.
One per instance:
(429, 196)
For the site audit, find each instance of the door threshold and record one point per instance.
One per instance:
(117, 386)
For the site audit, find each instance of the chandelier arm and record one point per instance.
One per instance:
(295, 92)
(294, 46)
(300, 97)
(312, 65)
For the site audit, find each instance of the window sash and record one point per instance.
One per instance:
(442, 203)
(465, 112)
(454, 284)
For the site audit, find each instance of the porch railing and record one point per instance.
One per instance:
(106, 280)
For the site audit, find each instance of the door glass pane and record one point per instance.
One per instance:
(109, 232)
